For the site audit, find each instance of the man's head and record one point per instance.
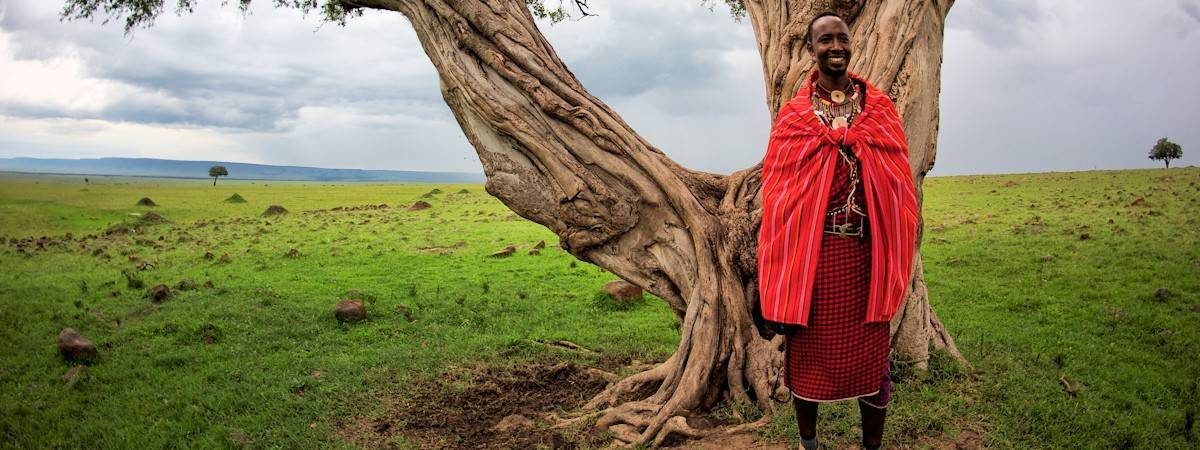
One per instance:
(828, 42)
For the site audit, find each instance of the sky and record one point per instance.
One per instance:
(1027, 85)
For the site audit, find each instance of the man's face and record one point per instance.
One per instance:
(830, 46)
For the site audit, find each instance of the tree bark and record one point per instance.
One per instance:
(558, 156)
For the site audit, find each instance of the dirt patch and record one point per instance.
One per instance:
(274, 210)
(443, 249)
(151, 218)
(460, 409)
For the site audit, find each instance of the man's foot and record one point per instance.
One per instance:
(810, 443)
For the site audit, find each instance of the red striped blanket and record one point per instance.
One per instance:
(797, 171)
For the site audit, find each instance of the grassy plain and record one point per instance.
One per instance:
(1043, 279)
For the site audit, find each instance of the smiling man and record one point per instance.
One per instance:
(836, 243)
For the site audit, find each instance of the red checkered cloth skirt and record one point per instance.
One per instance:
(838, 356)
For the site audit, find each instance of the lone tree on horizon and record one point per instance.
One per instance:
(559, 156)
(1166, 150)
(217, 171)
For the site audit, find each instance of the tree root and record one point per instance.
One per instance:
(610, 395)
(564, 345)
(626, 432)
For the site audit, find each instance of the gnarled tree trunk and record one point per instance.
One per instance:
(558, 156)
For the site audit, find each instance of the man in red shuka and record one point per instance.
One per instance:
(835, 248)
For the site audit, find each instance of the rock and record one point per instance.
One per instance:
(419, 205)
(74, 347)
(504, 252)
(350, 311)
(159, 293)
(512, 423)
(622, 291)
(540, 245)
(235, 198)
(274, 210)
(1162, 294)
(292, 253)
(74, 375)
(145, 201)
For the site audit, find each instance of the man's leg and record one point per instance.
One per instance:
(872, 424)
(806, 420)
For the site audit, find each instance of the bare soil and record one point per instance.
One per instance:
(460, 409)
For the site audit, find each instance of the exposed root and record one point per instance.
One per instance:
(565, 345)
(678, 425)
(627, 434)
(560, 423)
(608, 397)
(632, 413)
(602, 374)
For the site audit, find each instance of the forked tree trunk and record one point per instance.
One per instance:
(560, 157)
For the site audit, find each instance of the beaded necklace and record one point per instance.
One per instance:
(838, 115)
(833, 111)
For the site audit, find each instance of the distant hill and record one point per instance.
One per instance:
(167, 168)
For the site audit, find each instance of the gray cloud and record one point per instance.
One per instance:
(1027, 86)
(1079, 94)
(999, 23)
(1191, 8)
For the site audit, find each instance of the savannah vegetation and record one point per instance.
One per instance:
(557, 155)
(1073, 295)
(217, 172)
(1164, 150)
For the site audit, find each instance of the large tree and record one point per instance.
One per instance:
(557, 155)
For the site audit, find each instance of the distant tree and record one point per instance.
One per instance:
(1166, 151)
(217, 171)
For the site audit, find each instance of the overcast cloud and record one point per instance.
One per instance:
(1028, 86)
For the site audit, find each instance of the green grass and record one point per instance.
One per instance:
(258, 360)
